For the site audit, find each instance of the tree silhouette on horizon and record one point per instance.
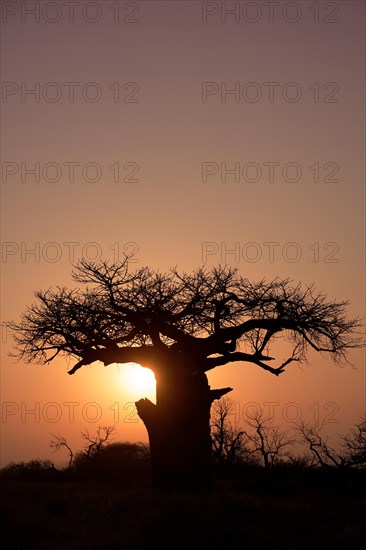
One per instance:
(180, 326)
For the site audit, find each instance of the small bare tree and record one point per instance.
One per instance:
(261, 443)
(95, 443)
(268, 442)
(60, 442)
(352, 449)
(355, 443)
(324, 455)
(229, 442)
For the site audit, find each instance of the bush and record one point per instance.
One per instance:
(33, 470)
(117, 462)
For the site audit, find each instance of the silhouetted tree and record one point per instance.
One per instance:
(268, 442)
(95, 443)
(230, 443)
(354, 443)
(324, 455)
(181, 326)
(352, 452)
(260, 443)
(59, 442)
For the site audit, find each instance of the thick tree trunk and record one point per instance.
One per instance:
(179, 429)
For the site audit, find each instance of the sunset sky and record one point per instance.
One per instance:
(188, 135)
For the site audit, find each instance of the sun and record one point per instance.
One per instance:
(138, 379)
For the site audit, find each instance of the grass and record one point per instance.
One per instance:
(256, 509)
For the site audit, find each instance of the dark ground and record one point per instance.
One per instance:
(250, 509)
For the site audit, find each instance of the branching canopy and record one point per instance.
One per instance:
(208, 318)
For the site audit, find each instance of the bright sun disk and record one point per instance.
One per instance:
(138, 378)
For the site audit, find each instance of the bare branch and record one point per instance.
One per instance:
(210, 318)
(96, 442)
(326, 456)
(268, 441)
(217, 394)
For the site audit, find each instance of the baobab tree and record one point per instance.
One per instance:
(180, 326)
